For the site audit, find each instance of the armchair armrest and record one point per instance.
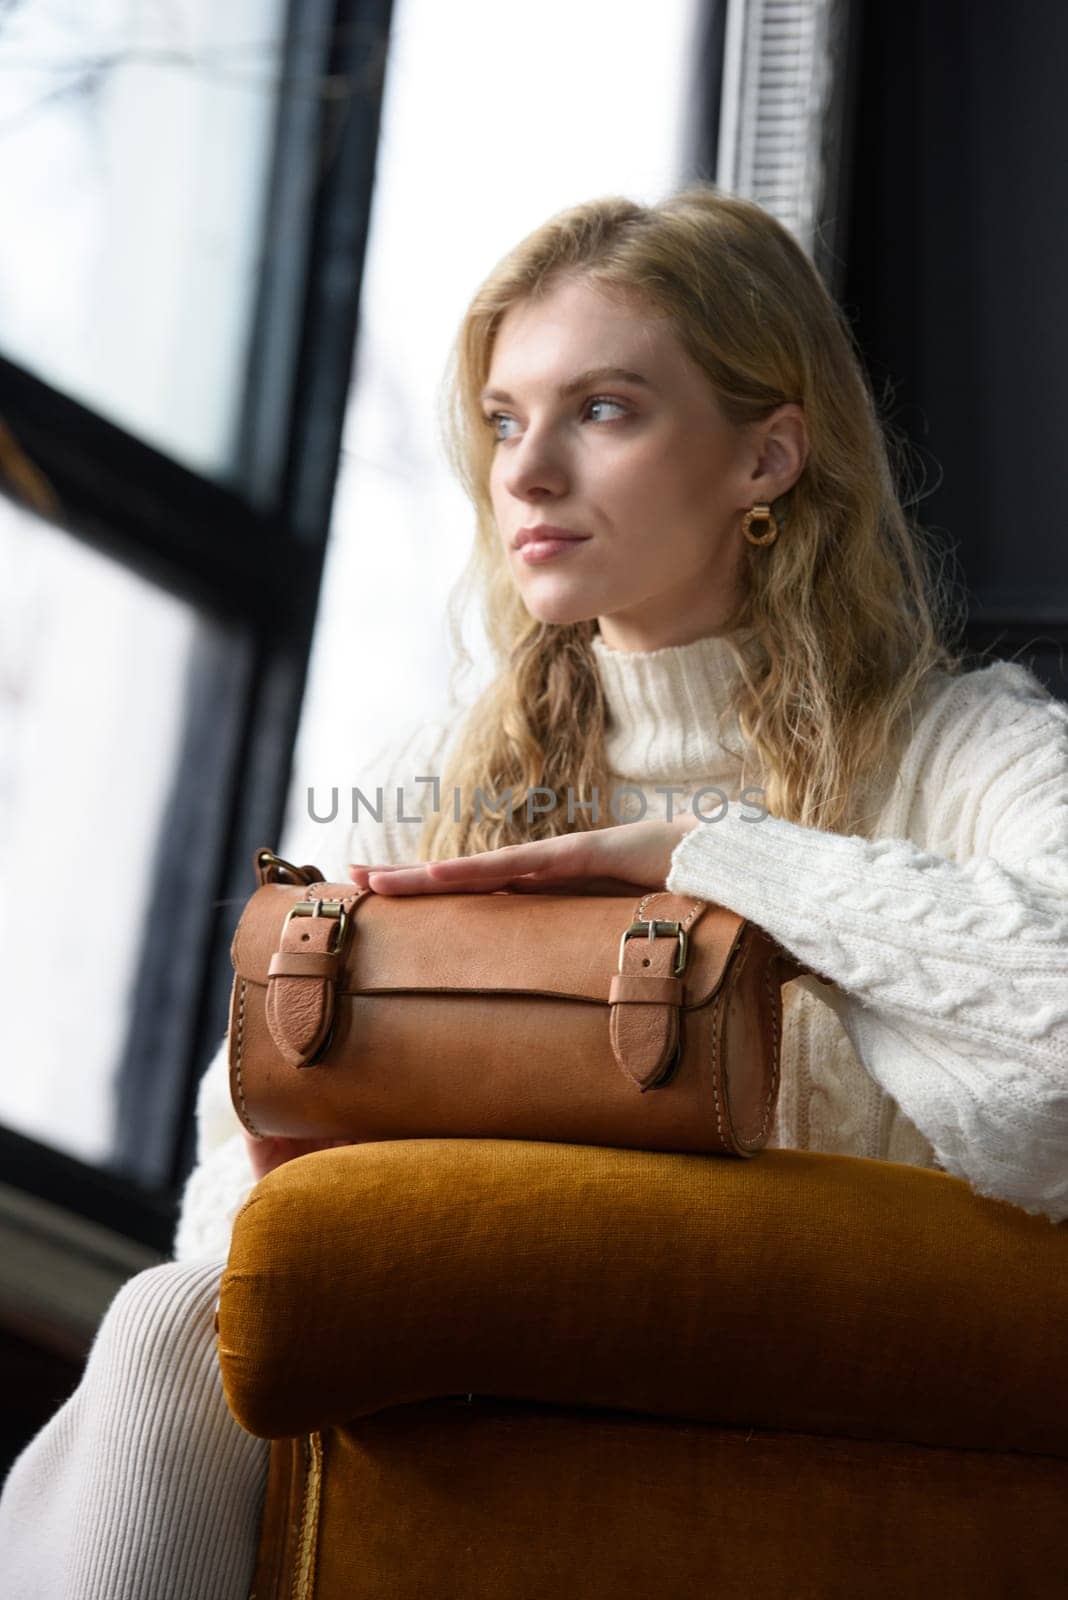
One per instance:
(799, 1291)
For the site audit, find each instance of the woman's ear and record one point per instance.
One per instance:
(782, 451)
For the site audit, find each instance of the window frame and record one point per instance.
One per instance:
(248, 554)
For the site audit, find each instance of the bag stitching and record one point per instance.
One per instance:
(243, 1108)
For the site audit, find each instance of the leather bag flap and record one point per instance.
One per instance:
(563, 945)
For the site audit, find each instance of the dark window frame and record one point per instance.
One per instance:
(248, 555)
(911, 216)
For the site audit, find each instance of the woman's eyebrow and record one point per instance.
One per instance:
(583, 380)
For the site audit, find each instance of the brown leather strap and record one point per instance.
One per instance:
(302, 964)
(302, 974)
(645, 987)
(645, 995)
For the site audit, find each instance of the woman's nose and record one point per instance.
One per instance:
(534, 464)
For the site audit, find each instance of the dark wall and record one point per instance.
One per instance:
(956, 282)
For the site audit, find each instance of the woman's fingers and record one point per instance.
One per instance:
(359, 872)
(542, 862)
(420, 880)
(528, 885)
(547, 860)
(636, 854)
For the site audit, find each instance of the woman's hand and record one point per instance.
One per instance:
(266, 1154)
(629, 856)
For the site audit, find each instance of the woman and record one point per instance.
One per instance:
(739, 609)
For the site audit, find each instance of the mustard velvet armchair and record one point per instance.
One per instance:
(502, 1370)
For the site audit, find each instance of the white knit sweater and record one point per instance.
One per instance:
(943, 1038)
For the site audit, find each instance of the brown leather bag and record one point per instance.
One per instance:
(567, 1017)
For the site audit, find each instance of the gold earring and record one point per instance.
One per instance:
(767, 516)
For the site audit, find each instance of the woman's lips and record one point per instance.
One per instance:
(536, 550)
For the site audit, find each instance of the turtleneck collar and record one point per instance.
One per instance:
(663, 709)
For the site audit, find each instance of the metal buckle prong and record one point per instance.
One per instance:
(672, 929)
(319, 908)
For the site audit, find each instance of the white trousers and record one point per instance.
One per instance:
(142, 1484)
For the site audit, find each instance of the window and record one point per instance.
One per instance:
(136, 157)
(178, 308)
(95, 662)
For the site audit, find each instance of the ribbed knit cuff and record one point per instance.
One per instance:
(968, 944)
(767, 870)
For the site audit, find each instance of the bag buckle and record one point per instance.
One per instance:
(674, 929)
(320, 908)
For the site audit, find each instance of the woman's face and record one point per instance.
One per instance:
(644, 466)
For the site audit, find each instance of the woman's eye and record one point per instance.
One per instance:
(603, 400)
(495, 418)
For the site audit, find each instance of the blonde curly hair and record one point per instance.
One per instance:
(840, 623)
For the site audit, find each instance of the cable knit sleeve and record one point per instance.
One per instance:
(949, 970)
(220, 1181)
